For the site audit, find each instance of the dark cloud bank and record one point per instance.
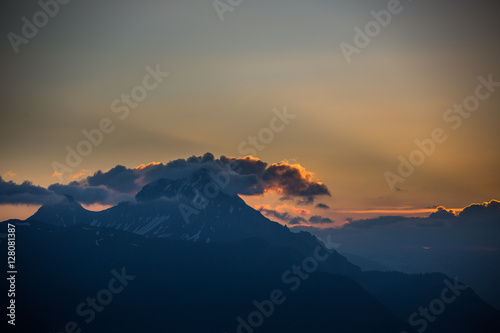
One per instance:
(248, 176)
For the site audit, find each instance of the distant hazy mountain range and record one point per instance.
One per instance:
(466, 246)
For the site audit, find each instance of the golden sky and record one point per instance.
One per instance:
(353, 120)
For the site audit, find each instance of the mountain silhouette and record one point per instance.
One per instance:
(207, 270)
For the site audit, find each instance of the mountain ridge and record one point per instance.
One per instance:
(225, 220)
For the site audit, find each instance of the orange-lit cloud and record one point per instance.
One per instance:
(392, 211)
(80, 175)
(57, 174)
(301, 211)
(292, 179)
(146, 166)
(487, 204)
(262, 206)
(288, 180)
(284, 208)
(9, 174)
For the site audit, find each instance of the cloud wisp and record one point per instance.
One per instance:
(251, 176)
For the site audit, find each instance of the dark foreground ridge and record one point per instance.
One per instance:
(139, 267)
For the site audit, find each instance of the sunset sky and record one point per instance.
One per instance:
(352, 120)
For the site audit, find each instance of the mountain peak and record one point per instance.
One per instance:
(66, 212)
(200, 181)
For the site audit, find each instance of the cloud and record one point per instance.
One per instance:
(274, 213)
(322, 206)
(119, 178)
(9, 174)
(79, 175)
(316, 219)
(297, 220)
(293, 180)
(443, 213)
(296, 210)
(309, 200)
(25, 193)
(247, 176)
(484, 210)
(90, 194)
(478, 225)
(247, 165)
(381, 221)
(284, 213)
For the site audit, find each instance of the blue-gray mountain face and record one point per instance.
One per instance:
(466, 245)
(171, 262)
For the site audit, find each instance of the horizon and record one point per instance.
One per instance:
(271, 201)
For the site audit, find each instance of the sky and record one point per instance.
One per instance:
(233, 69)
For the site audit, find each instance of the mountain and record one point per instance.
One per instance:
(203, 260)
(177, 286)
(464, 245)
(365, 264)
(158, 213)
